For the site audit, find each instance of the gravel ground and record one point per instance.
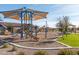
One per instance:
(50, 44)
(41, 45)
(4, 51)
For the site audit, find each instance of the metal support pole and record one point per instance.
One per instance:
(25, 18)
(26, 26)
(46, 30)
(31, 22)
(21, 25)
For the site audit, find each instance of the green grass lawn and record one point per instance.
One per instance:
(70, 39)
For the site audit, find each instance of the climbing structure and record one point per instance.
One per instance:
(25, 15)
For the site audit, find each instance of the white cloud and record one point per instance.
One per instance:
(65, 10)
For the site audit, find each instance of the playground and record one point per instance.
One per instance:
(26, 15)
(26, 30)
(28, 37)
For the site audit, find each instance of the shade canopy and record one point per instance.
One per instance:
(15, 14)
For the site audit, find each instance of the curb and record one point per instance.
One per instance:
(35, 48)
(64, 44)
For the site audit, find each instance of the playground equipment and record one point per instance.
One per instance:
(25, 16)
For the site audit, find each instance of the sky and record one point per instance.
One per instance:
(54, 11)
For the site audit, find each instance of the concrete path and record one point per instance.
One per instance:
(33, 48)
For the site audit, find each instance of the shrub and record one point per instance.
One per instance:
(77, 52)
(66, 52)
(13, 49)
(5, 45)
(40, 52)
(20, 53)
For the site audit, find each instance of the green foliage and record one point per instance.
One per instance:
(70, 39)
(20, 53)
(66, 52)
(63, 24)
(41, 52)
(77, 52)
(13, 49)
(5, 45)
(9, 27)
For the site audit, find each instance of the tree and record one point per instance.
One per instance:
(9, 27)
(63, 24)
(60, 25)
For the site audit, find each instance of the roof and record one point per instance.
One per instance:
(15, 14)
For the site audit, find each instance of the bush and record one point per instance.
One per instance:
(21, 53)
(13, 49)
(66, 52)
(40, 52)
(5, 45)
(77, 52)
